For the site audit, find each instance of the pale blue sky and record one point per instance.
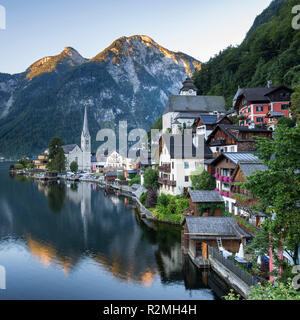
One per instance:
(200, 28)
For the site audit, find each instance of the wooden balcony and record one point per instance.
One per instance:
(165, 168)
(167, 182)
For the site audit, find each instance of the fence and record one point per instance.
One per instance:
(229, 264)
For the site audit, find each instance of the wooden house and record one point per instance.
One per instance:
(244, 200)
(205, 203)
(227, 138)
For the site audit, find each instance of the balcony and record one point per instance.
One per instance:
(167, 182)
(165, 168)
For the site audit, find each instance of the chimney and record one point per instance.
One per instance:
(269, 85)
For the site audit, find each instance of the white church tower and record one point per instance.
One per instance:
(86, 144)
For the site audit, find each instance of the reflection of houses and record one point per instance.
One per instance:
(205, 203)
(198, 232)
(245, 201)
(227, 138)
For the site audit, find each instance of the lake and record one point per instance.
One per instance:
(74, 241)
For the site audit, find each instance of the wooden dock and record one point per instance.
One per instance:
(199, 262)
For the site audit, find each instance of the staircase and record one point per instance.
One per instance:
(219, 243)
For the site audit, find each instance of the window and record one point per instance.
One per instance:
(269, 108)
(186, 178)
(259, 119)
(249, 110)
(186, 165)
(259, 108)
(284, 107)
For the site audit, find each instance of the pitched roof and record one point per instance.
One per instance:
(215, 227)
(85, 129)
(188, 84)
(69, 147)
(181, 103)
(205, 196)
(248, 167)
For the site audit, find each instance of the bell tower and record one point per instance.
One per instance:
(86, 143)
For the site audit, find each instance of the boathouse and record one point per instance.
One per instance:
(198, 232)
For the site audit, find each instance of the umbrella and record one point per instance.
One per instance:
(259, 260)
(240, 254)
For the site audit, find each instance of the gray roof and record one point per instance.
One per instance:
(205, 196)
(137, 189)
(215, 227)
(69, 147)
(248, 168)
(235, 157)
(181, 103)
(188, 115)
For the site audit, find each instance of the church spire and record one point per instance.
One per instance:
(85, 130)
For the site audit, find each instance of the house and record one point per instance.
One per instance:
(253, 104)
(244, 200)
(176, 164)
(81, 155)
(98, 163)
(206, 123)
(224, 166)
(110, 176)
(114, 161)
(182, 110)
(40, 162)
(228, 138)
(198, 232)
(205, 203)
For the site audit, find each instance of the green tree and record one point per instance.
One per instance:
(295, 102)
(74, 166)
(57, 159)
(151, 179)
(278, 187)
(202, 181)
(285, 121)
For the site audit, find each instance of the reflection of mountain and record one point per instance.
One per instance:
(89, 226)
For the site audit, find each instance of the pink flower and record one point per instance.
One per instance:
(225, 178)
(220, 178)
(216, 189)
(216, 175)
(230, 194)
(229, 179)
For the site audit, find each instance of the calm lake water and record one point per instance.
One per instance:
(74, 242)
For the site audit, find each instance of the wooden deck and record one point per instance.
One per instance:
(199, 261)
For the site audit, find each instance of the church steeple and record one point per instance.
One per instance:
(85, 135)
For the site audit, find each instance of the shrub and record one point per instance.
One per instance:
(18, 166)
(143, 198)
(121, 177)
(135, 180)
(163, 200)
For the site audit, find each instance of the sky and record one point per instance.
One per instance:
(200, 28)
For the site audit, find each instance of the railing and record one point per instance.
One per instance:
(229, 264)
(167, 182)
(165, 168)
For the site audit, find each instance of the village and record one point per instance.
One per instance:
(206, 195)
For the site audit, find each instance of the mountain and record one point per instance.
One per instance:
(269, 52)
(130, 80)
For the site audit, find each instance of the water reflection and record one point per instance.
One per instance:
(70, 227)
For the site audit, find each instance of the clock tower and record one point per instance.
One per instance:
(86, 144)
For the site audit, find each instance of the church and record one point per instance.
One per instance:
(80, 155)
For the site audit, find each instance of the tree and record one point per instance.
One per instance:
(285, 121)
(203, 181)
(295, 103)
(74, 166)
(55, 144)
(151, 179)
(57, 159)
(278, 187)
